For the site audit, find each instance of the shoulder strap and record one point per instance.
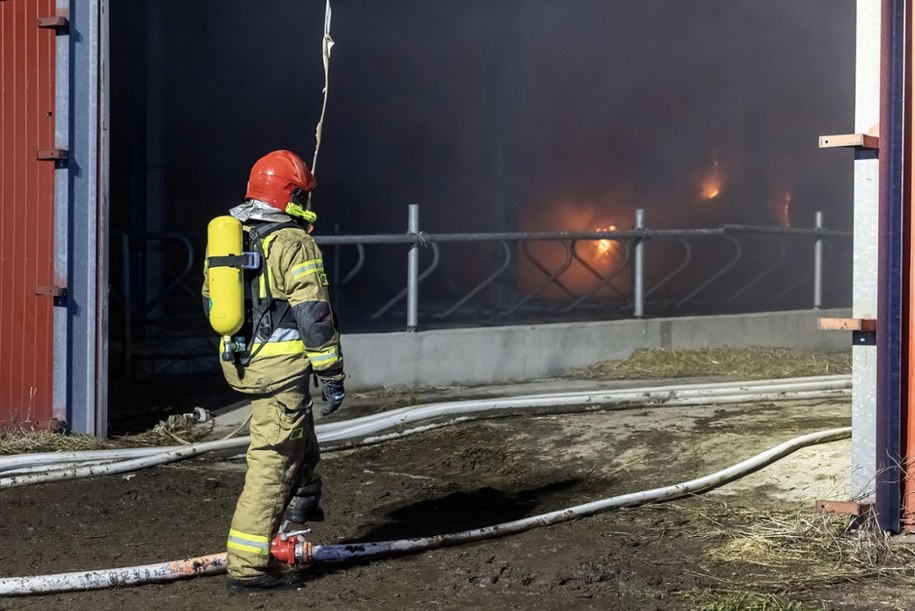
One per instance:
(256, 238)
(261, 307)
(259, 232)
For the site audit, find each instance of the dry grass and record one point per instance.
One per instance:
(178, 428)
(819, 549)
(174, 431)
(746, 363)
(725, 600)
(20, 442)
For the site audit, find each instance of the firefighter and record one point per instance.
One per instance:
(288, 334)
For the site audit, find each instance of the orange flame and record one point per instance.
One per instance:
(710, 190)
(712, 183)
(602, 255)
(606, 249)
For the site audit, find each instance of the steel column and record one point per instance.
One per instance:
(87, 223)
(908, 503)
(866, 236)
(61, 214)
(413, 270)
(638, 283)
(891, 270)
(818, 266)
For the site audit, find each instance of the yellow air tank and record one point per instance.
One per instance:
(225, 277)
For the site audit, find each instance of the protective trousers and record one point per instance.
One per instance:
(283, 453)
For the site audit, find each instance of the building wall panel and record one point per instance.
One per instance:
(27, 70)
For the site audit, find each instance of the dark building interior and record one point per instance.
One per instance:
(491, 116)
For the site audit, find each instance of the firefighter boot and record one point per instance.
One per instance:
(270, 581)
(305, 505)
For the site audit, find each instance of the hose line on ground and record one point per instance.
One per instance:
(18, 470)
(346, 552)
(216, 563)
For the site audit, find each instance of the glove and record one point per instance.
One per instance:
(333, 393)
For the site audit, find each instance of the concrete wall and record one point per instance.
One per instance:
(502, 354)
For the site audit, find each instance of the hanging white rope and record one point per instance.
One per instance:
(326, 44)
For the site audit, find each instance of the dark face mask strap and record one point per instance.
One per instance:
(299, 197)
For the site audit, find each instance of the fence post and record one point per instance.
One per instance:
(818, 265)
(638, 283)
(413, 269)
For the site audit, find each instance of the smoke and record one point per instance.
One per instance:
(516, 114)
(471, 107)
(645, 98)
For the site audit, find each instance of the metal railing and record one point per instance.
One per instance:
(147, 279)
(632, 241)
(625, 287)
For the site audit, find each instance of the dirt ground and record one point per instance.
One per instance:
(677, 555)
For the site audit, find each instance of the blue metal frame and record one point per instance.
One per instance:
(83, 233)
(891, 267)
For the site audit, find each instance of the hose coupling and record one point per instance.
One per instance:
(292, 549)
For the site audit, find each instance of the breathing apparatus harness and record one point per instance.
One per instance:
(264, 312)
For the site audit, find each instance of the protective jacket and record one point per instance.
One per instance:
(289, 331)
(289, 325)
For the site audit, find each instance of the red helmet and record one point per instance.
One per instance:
(279, 178)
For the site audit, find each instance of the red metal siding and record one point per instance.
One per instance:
(27, 56)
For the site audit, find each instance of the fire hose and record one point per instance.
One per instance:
(297, 552)
(28, 469)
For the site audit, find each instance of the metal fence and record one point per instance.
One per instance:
(463, 279)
